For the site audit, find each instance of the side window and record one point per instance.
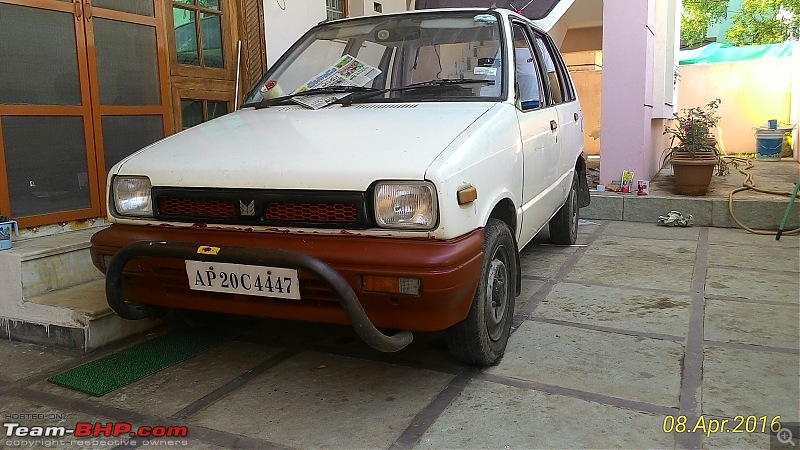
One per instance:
(557, 75)
(529, 89)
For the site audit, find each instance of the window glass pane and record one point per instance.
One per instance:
(335, 9)
(23, 78)
(185, 36)
(123, 135)
(142, 7)
(186, 2)
(212, 39)
(191, 113)
(127, 64)
(46, 163)
(210, 4)
(217, 109)
(526, 71)
(552, 75)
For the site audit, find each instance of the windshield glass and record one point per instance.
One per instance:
(393, 51)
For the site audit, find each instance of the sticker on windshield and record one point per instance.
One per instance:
(490, 71)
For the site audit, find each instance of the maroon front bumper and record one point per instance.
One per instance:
(448, 272)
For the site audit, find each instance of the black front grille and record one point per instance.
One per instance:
(285, 208)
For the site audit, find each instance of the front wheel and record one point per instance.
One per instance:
(481, 338)
(564, 225)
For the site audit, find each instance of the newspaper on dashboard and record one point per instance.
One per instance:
(347, 71)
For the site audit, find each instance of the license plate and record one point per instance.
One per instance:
(243, 279)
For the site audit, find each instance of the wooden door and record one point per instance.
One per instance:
(83, 84)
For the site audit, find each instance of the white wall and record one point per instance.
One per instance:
(286, 20)
(667, 38)
(367, 7)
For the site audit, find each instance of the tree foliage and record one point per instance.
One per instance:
(765, 22)
(697, 16)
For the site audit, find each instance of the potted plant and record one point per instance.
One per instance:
(695, 156)
(6, 227)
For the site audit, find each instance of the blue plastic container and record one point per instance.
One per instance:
(769, 144)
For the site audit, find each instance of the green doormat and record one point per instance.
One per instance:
(107, 374)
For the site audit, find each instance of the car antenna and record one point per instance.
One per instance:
(520, 10)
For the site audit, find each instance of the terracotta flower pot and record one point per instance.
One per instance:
(693, 175)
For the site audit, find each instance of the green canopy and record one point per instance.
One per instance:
(716, 52)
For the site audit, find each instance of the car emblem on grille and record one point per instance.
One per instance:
(248, 209)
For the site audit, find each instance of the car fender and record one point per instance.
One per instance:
(487, 156)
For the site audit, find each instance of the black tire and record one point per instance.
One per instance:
(564, 225)
(481, 338)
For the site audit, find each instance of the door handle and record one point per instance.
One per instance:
(88, 9)
(553, 125)
(78, 10)
(575, 115)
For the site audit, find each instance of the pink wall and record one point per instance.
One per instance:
(627, 86)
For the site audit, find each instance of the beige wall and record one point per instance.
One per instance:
(587, 85)
(582, 39)
(752, 92)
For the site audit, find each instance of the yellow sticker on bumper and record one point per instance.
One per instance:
(206, 250)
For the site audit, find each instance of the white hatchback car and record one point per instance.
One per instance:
(385, 173)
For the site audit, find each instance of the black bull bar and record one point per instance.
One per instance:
(257, 257)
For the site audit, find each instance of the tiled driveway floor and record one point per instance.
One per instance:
(613, 339)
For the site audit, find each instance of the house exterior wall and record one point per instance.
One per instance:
(626, 110)
(636, 84)
(367, 7)
(588, 87)
(752, 92)
(285, 22)
(583, 39)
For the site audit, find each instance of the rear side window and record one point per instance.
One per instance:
(557, 76)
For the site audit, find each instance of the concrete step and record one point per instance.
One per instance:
(763, 214)
(53, 262)
(51, 294)
(76, 317)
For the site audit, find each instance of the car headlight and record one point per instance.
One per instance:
(132, 196)
(406, 205)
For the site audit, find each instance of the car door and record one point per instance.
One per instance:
(570, 119)
(539, 133)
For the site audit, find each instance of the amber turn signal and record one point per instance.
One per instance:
(390, 285)
(467, 195)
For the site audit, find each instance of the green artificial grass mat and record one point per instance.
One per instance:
(104, 375)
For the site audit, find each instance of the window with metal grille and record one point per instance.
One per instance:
(337, 9)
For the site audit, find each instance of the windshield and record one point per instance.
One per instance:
(393, 51)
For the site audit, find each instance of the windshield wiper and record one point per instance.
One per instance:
(446, 82)
(267, 102)
(349, 100)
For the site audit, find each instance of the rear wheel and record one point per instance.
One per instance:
(481, 338)
(564, 225)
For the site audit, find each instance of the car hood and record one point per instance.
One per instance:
(292, 147)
